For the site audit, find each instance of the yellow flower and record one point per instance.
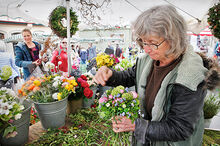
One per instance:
(59, 96)
(74, 83)
(37, 83)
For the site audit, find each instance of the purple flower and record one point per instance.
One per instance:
(123, 114)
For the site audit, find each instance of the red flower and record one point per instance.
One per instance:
(79, 80)
(83, 77)
(93, 106)
(86, 92)
(91, 93)
(84, 84)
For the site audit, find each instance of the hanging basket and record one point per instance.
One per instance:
(57, 22)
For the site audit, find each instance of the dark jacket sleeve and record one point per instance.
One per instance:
(180, 121)
(124, 78)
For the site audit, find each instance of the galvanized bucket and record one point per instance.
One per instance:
(22, 126)
(74, 105)
(88, 102)
(52, 115)
(102, 89)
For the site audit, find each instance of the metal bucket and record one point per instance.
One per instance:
(52, 115)
(88, 102)
(102, 89)
(74, 105)
(22, 126)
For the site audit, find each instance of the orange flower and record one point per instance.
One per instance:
(24, 94)
(36, 89)
(31, 87)
(32, 78)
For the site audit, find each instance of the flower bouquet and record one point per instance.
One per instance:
(50, 97)
(124, 64)
(14, 118)
(106, 60)
(119, 102)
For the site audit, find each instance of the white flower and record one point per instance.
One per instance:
(124, 106)
(54, 96)
(59, 62)
(21, 107)
(5, 108)
(18, 116)
(55, 84)
(108, 104)
(75, 136)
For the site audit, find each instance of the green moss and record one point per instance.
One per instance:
(211, 137)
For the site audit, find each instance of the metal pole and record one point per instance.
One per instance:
(68, 36)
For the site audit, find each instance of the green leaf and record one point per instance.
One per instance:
(9, 130)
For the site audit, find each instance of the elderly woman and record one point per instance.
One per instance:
(169, 78)
(27, 53)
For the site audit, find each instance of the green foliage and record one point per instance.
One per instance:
(55, 22)
(211, 138)
(214, 20)
(5, 72)
(211, 106)
(87, 128)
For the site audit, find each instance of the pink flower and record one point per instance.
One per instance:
(10, 121)
(103, 99)
(135, 95)
(121, 91)
(111, 55)
(110, 96)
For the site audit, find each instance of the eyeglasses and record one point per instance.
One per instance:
(64, 42)
(152, 46)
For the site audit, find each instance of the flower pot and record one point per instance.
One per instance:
(53, 114)
(22, 128)
(207, 122)
(74, 105)
(88, 102)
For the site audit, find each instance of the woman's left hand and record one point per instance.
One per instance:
(122, 124)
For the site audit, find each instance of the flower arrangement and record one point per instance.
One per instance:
(124, 64)
(119, 102)
(89, 79)
(48, 89)
(10, 110)
(103, 59)
(214, 20)
(5, 72)
(82, 89)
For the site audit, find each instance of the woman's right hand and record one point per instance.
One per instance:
(102, 75)
(37, 62)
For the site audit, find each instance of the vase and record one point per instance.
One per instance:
(22, 128)
(207, 122)
(52, 115)
(74, 105)
(102, 89)
(88, 102)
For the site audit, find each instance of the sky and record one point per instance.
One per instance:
(118, 12)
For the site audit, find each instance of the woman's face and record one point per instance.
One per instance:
(63, 43)
(155, 46)
(27, 37)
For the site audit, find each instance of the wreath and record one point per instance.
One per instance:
(55, 22)
(214, 20)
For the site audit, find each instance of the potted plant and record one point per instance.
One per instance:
(49, 95)
(82, 91)
(210, 108)
(87, 100)
(14, 118)
(5, 73)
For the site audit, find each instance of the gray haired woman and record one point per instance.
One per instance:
(170, 79)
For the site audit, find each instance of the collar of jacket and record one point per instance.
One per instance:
(189, 73)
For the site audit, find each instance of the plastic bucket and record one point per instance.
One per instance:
(22, 126)
(52, 115)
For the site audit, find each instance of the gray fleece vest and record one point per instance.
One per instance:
(190, 72)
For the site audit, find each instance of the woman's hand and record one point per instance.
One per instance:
(102, 75)
(122, 124)
(37, 62)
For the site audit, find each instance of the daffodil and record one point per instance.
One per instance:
(37, 83)
(59, 96)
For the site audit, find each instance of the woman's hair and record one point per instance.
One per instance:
(163, 21)
(2, 46)
(26, 30)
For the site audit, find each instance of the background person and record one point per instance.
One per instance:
(170, 80)
(27, 53)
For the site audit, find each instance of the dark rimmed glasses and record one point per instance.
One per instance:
(152, 46)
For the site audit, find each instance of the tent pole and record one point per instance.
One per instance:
(68, 35)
